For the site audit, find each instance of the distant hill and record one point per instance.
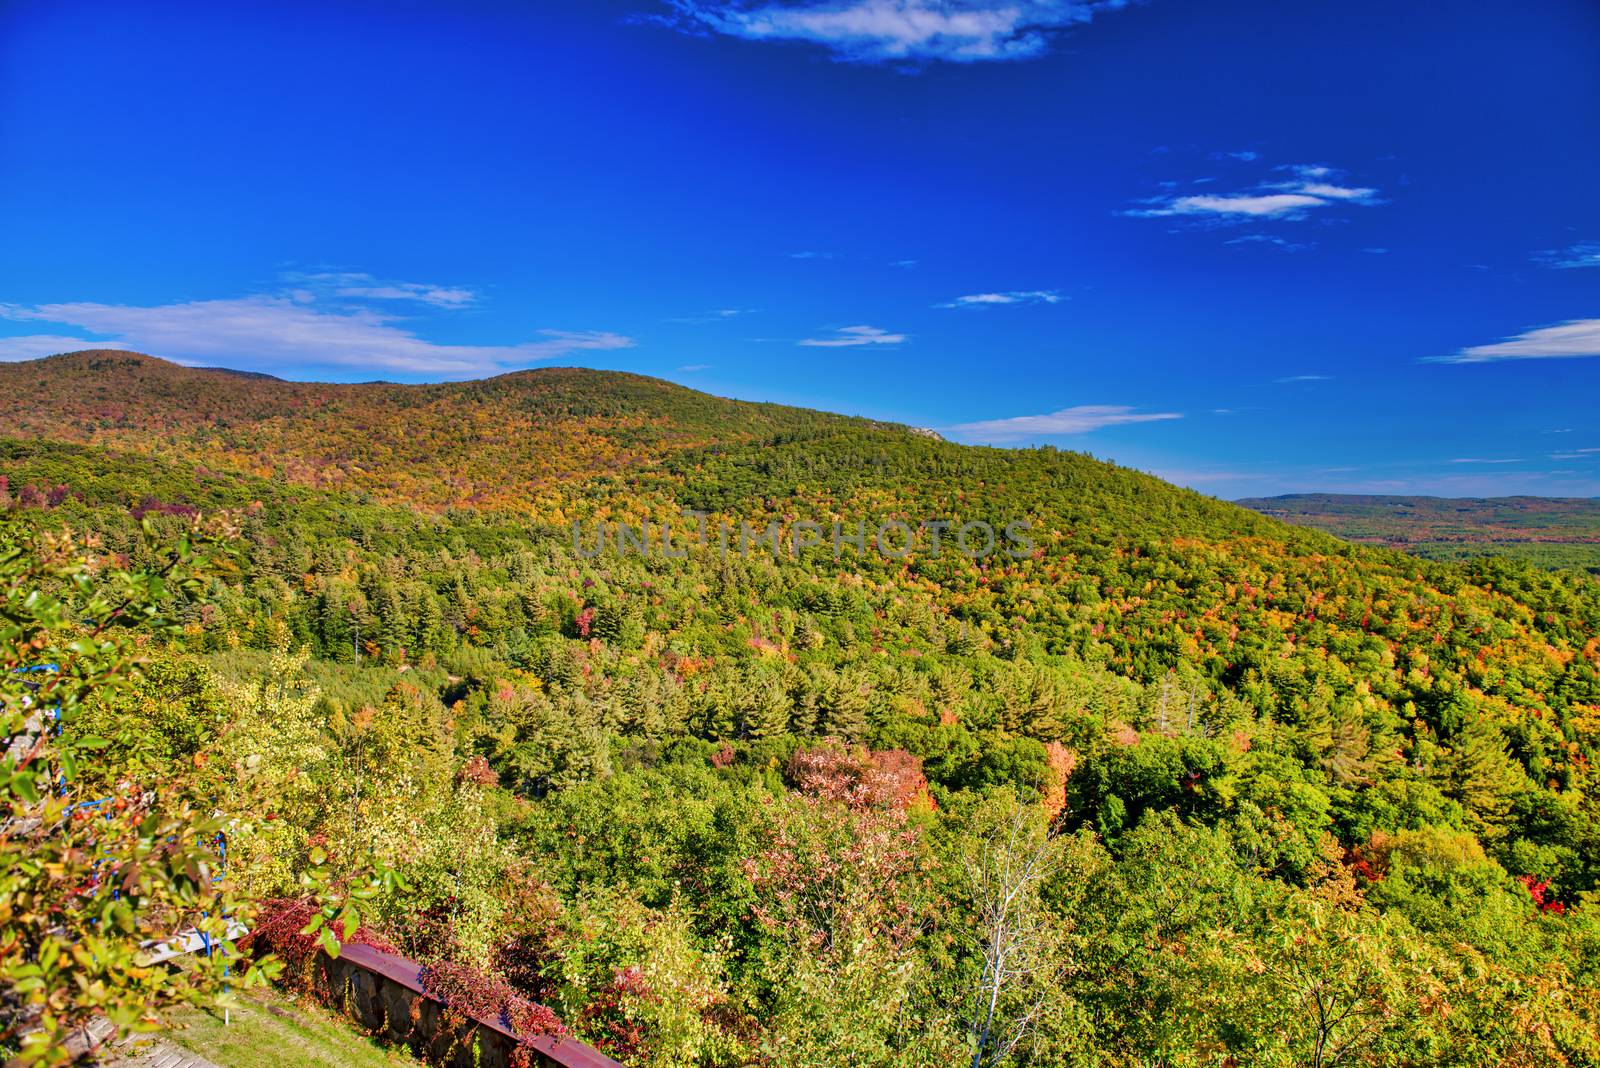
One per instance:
(491, 442)
(1551, 531)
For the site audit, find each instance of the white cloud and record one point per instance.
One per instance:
(1303, 378)
(1583, 254)
(871, 31)
(907, 264)
(1335, 192)
(717, 316)
(1568, 340)
(1294, 199)
(813, 256)
(1263, 205)
(691, 368)
(32, 346)
(269, 333)
(1477, 460)
(1015, 296)
(850, 336)
(1077, 420)
(359, 285)
(1272, 240)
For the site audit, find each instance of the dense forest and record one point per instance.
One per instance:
(1172, 783)
(1562, 532)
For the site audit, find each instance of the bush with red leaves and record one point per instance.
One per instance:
(149, 505)
(1540, 892)
(608, 1021)
(469, 995)
(277, 930)
(897, 776)
(477, 772)
(429, 934)
(890, 780)
(533, 918)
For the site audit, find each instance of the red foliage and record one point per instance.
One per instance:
(897, 776)
(722, 757)
(888, 780)
(471, 995)
(429, 934)
(45, 496)
(1369, 862)
(1062, 762)
(533, 912)
(820, 876)
(1540, 891)
(278, 927)
(149, 505)
(478, 773)
(606, 1016)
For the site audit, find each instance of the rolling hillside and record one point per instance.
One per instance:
(724, 807)
(494, 442)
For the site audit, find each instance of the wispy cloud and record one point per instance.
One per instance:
(32, 346)
(1015, 296)
(1286, 379)
(1572, 339)
(1247, 205)
(904, 264)
(1583, 254)
(273, 332)
(1312, 187)
(878, 31)
(359, 285)
(1076, 420)
(807, 255)
(851, 336)
(720, 315)
(1273, 241)
(1480, 460)
(691, 368)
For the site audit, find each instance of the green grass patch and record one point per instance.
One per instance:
(270, 1029)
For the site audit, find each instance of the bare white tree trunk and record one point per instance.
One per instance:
(1006, 869)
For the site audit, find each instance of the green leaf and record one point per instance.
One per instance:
(23, 785)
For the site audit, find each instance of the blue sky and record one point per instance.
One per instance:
(1253, 247)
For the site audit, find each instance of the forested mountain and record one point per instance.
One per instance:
(496, 442)
(1252, 794)
(1551, 531)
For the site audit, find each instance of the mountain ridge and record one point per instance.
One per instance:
(526, 429)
